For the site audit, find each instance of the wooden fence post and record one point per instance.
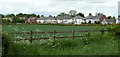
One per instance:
(73, 34)
(54, 34)
(31, 36)
(89, 33)
(102, 31)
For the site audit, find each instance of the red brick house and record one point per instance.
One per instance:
(103, 20)
(31, 20)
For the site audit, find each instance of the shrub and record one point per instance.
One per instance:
(114, 30)
(6, 42)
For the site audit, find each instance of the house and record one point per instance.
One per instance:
(31, 20)
(51, 20)
(90, 18)
(111, 21)
(41, 20)
(103, 20)
(7, 18)
(117, 21)
(64, 19)
(47, 20)
(22, 18)
(78, 20)
(99, 17)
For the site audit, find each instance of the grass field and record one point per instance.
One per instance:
(97, 44)
(46, 28)
(23, 28)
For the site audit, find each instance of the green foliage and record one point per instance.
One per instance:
(38, 16)
(72, 15)
(21, 21)
(6, 43)
(42, 15)
(80, 14)
(26, 15)
(17, 20)
(89, 22)
(110, 17)
(81, 46)
(63, 14)
(105, 44)
(97, 22)
(10, 15)
(114, 30)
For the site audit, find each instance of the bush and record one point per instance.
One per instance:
(114, 30)
(6, 42)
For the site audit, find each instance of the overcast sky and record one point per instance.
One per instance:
(54, 7)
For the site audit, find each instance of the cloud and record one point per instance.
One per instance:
(54, 7)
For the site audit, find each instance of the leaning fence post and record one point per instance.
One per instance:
(73, 34)
(54, 34)
(102, 31)
(31, 36)
(89, 33)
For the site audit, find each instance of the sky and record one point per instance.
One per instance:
(54, 7)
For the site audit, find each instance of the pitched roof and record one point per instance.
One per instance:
(50, 18)
(32, 18)
(98, 17)
(46, 18)
(22, 17)
(64, 17)
(94, 17)
(78, 17)
(42, 18)
(90, 17)
(111, 20)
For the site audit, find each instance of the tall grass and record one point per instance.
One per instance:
(94, 45)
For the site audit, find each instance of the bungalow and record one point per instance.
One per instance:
(7, 19)
(111, 21)
(91, 18)
(51, 20)
(117, 21)
(78, 20)
(41, 20)
(99, 17)
(47, 20)
(64, 19)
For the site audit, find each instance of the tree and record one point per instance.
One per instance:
(73, 12)
(15, 20)
(21, 21)
(63, 14)
(80, 14)
(10, 15)
(95, 22)
(114, 17)
(98, 22)
(1, 15)
(3, 21)
(38, 16)
(42, 15)
(19, 15)
(7, 20)
(33, 15)
(89, 22)
(109, 17)
(50, 15)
